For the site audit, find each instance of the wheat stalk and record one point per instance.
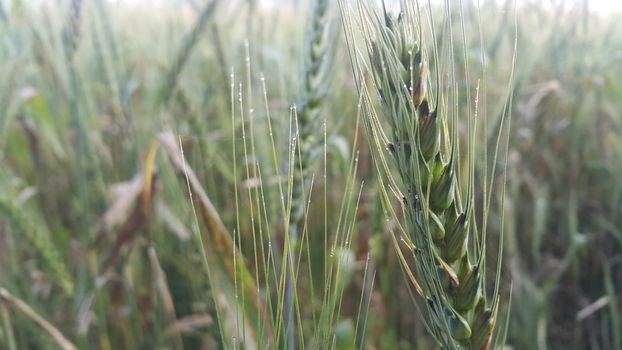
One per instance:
(190, 41)
(19, 305)
(72, 31)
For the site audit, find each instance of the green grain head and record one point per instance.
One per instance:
(426, 170)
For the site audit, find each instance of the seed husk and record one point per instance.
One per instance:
(469, 291)
(456, 239)
(443, 190)
(482, 326)
(437, 230)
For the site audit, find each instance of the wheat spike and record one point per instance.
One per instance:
(438, 220)
(318, 59)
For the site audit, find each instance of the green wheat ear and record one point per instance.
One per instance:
(436, 219)
(315, 84)
(420, 159)
(20, 219)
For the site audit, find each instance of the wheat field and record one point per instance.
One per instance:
(321, 174)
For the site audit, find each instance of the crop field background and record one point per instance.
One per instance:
(209, 174)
